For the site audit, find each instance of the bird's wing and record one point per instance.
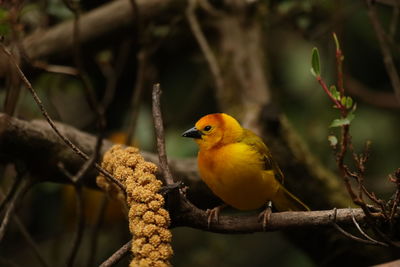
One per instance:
(258, 145)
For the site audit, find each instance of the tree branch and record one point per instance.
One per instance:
(118, 255)
(100, 23)
(385, 49)
(193, 217)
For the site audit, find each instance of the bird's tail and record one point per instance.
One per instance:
(286, 201)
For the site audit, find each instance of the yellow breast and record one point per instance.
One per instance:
(235, 173)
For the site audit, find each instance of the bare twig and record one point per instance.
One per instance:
(159, 127)
(353, 237)
(11, 192)
(204, 46)
(55, 68)
(53, 126)
(385, 49)
(363, 233)
(369, 96)
(23, 187)
(24, 232)
(80, 222)
(95, 231)
(118, 255)
(30, 241)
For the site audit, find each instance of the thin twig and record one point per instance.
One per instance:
(328, 92)
(24, 232)
(55, 68)
(339, 66)
(370, 96)
(80, 222)
(32, 244)
(363, 233)
(385, 49)
(158, 125)
(118, 255)
(23, 188)
(11, 192)
(204, 46)
(53, 126)
(350, 236)
(96, 229)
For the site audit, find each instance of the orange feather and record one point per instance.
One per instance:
(238, 167)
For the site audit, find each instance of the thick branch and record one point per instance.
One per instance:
(100, 23)
(235, 224)
(36, 144)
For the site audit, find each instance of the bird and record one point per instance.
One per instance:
(238, 167)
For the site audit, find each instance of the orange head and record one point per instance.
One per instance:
(215, 130)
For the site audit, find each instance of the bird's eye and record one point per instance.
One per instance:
(207, 128)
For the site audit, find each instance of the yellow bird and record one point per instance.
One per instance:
(238, 167)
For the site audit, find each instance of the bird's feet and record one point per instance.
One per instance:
(265, 215)
(214, 214)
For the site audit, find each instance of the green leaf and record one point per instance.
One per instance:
(343, 121)
(332, 140)
(334, 92)
(315, 65)
(349, 102)
(336, 41)
(343, 101)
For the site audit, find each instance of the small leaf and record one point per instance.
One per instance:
(315, 65)
(336, 41)
(349, 102)
(343, 121)
(332, 140)
(334, 92)
(339, 122)
(313, 72)
(350, 116)
(343, 101)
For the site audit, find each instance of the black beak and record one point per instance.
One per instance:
(192, 133)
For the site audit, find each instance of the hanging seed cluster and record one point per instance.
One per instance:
(148, 220)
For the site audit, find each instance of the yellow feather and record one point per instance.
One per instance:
(238, 167)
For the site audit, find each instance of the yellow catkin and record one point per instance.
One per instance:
(148, 220)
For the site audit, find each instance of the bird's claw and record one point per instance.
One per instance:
(265, 216)
(214, 213)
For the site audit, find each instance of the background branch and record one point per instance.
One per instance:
(101, 23)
